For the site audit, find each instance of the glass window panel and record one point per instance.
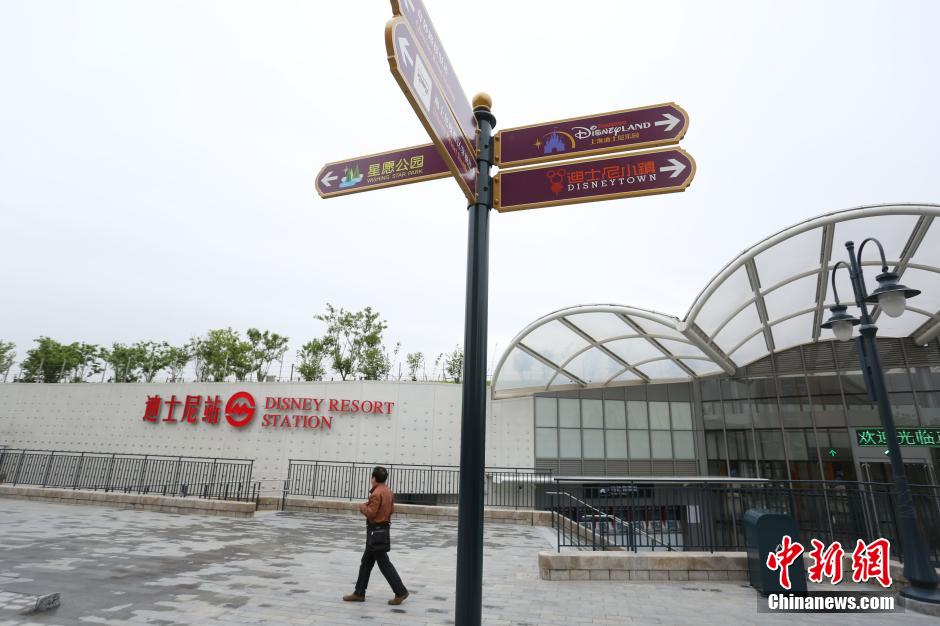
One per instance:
(593, 444)
(762, 387)
(639, 444)
(731, 294)
(710, 390)
(656, 328)
(616, 444)
(680, 348)
(792, 297)
(636, 414)
(554, 341)
(659, 415)
(634, 350)
(681, 415)
(680, 392)
(823, 384)
(733, 389)
(546, 412)
(860, 410)
(740, 326)
(546, 443)
(902, 407)
(893, 232)
(897, 379)
(753, 349)
(615, 414)
(662, 444)
(592, 414)
(682, 445)
(711, 413)
(928, 253)
(771, 442)
(663, 369)
(700, 367)
(796, 445)
(570, 443)
(627, 376)
(793, 331)
(738, 413)
(520, 370)
(929, 403)
(601, 326)
(711, 444)
(594, 366)
(798, 254)
(569, 412)
(926, 378)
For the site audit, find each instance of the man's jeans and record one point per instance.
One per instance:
(369, 558)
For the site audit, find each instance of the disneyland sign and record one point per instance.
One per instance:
(241, 408)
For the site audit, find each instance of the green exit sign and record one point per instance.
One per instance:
(910, 437)
(832, 451)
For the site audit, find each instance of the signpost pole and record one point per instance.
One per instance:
(473, 415)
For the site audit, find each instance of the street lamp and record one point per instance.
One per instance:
(891, 297)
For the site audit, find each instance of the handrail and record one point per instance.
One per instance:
(615, 518)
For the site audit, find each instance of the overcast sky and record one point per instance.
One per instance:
(157, 159)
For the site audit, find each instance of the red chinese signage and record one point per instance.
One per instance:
(869, 561)
(241, 408)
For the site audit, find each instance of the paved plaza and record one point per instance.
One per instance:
(114, 566)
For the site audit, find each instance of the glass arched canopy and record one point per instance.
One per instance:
(771, 297)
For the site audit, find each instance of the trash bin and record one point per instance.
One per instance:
(763, 532)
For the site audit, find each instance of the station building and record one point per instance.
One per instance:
(745, 385)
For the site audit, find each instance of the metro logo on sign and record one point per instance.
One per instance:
(240, 409)
(630, 129)
(639, 174)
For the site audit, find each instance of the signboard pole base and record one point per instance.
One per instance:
(469, 594)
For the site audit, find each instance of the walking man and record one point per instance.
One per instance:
(378, 512)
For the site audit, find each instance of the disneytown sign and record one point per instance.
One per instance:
(240, 410)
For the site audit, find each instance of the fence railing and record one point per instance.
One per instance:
(706, 515)
(203, 477)
(514, 487)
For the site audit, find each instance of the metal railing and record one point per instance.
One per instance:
(203, 477)
(705, 515)
(515, 487)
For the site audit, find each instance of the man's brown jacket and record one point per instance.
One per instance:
(379, 508)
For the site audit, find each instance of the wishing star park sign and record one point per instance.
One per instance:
(286, 412)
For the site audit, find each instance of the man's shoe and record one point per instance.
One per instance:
(354, 597)
(398, 599)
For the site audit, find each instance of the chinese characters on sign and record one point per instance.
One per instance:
(911, 437)
(387, 169)
(870, 561)
(239, 411)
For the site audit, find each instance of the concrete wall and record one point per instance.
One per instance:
(423, 427)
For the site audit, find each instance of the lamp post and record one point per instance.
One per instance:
(890, 297)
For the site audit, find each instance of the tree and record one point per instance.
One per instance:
(222, 353)
(311, 360)
(176, 360)
(266, 347)
(88, 361)
(354, 342)
(52, 362)
(126, 361)
(415, 361)
(6, 356)
(453, 364)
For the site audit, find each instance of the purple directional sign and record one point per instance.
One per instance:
(409, 66)
(636, 174)
(416, 15)
(385, 169)
(644, 127)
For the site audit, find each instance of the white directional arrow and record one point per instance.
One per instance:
(327, 179)
(670, 121)
(676, 168)
(403, 44)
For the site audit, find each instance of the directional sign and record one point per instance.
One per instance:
(385, 169)
(410, 68)
(416, 15)
(657, 125)
(637, 174)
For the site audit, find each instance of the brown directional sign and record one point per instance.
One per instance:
(630, 129)
(635, 174)
(416, 15)
(410, 67)
(385, 169)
